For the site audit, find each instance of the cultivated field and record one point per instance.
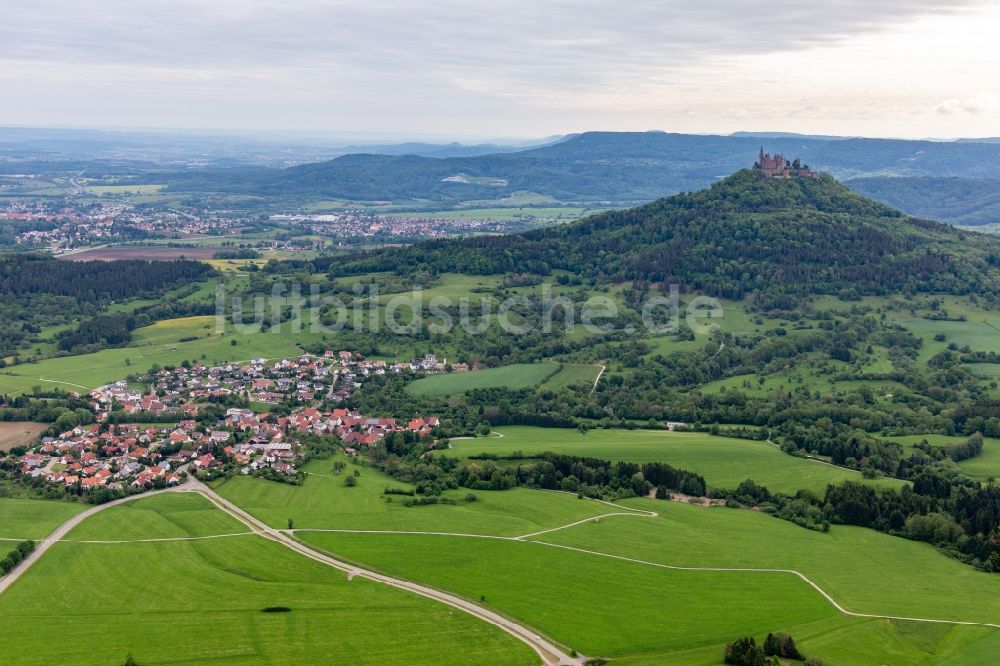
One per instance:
(723, 461)
(573, 578)
(929, 585)
(201, 601)
(598, 605)
(19, 433)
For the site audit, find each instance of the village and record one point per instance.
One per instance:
(360, 227)
(191, 419)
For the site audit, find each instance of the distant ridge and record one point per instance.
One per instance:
(792, 135)
(602, 168)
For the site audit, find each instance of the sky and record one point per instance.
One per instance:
(485, 70)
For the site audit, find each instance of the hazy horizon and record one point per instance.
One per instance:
(375, 138)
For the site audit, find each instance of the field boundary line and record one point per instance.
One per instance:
(58, 533)
(343, 530)
(56, 381)
(150, 540)
(546, 650)
(793, 572)
(592, 519)
(622, 511)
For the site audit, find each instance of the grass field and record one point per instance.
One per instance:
(572, 374)
(597, 605)
(33, 519)
(517, 376)
(201, 602)
(325, 502)
(19, 433)
(723, 461)
(866, 571)
(643, 614)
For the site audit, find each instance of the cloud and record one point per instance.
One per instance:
(546, 42)
(976, 105)
(519, 64)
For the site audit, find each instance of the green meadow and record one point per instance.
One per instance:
(517, 376)
(597, 605)
(165, 516)
(861, 568)
(33, 519)
(325, 502)
(723, 461)
(572, 374)
(640, 613)
(845, 640)
(202, 601)
(643, 614)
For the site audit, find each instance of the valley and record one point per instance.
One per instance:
(497, 443)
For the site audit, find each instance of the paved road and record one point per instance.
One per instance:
(549, 653)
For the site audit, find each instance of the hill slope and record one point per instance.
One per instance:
(607, 167)
(745, 234)
(965, 201)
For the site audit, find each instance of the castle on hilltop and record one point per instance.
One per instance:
(776, 166)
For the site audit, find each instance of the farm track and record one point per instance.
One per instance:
(598, 378)
(56, 536)
(547, 651)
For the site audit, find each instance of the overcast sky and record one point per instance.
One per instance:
(468, 70)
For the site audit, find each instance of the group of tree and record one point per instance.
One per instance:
(16, 556)
(420, 461)
(746, 651)
(111, 330)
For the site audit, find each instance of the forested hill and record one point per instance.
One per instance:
(93, 281)
(38, 291)
(745, 234)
